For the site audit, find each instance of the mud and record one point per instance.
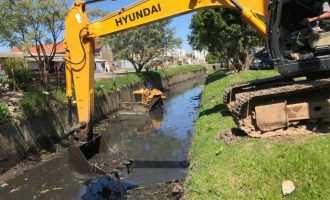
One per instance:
(291, 135)
(231, 136)
(32, 160)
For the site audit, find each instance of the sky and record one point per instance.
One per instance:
(181, 23)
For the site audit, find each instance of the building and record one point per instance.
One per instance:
(199, 56)
(103, 56)
(175, 56)
(181, 56)
(5, 55)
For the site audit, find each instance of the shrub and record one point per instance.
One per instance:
(4, 82)
(4, 113)
(34, 104)
(58, 95)
(18, 72)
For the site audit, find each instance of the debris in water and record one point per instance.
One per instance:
(169, 190)
(4, 185)
(15, 189)
(44, 191)
(57, 188)
(112, 162)
(287, 187)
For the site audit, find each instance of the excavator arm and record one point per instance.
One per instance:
(80, 37)
(148, 11)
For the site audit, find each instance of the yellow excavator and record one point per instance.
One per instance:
(274, 105)
(145, 100)
(80, 35)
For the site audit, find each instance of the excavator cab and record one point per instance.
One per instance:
(297, 47)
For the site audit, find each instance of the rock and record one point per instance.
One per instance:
(4, 185)
(177, 189)
(15, 189)
(287, 187)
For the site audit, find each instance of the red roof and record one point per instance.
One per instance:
(48, 48)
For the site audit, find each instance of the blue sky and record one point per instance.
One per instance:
(181, 23)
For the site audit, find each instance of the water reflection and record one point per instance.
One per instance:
(158, 143)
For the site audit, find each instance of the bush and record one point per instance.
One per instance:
(34, 104)
(17, 71)
(58, 95)
(5, 116)
(4, 82)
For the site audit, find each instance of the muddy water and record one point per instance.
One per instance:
(158, 144)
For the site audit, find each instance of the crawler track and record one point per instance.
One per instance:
(229, 94)
(241, 100)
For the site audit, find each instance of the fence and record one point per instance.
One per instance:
(55, 80)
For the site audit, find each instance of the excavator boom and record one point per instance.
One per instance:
(148, 11)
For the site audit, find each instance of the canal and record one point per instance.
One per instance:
(158, 143)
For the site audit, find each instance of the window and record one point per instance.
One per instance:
(97, 53)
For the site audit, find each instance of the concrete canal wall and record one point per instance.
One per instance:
(17, 139)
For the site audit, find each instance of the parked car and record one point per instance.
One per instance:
(262, 61)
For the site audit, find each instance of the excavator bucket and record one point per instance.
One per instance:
(80, 153)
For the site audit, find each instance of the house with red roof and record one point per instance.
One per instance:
(103, 56)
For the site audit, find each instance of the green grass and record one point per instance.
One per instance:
(34, 104)
(58, 95)
(252, 168)
(4, 113)
(179, 70)
(110, 85)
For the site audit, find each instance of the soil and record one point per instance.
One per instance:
(292, 135)
(231, 136)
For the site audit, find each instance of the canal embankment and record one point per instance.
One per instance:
(20, 138)
(225, 165)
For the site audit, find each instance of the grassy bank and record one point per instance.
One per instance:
(109, 85)
(252, 168)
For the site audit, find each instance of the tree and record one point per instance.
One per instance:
(224, 34)
(212, 58)
(140, 45)
(33, 23)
